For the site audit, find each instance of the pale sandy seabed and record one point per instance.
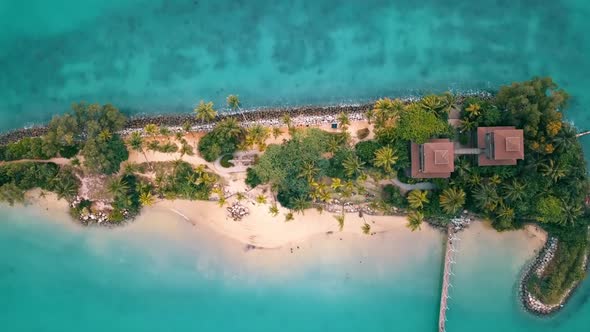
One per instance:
(282, 246)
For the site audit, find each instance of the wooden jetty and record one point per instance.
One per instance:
(444, 295)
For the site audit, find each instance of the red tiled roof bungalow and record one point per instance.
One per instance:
(433, 159)
(500, 145)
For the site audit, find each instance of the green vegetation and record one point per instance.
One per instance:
(26, 148)
(179, 180)
(167, 147)
(225, 161)
(225, 138)
(94, 128)
(205, 111)
(418, 125)
(16, 178)
(290, 167)
(564, 270)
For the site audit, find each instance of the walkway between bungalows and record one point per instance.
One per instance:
(405, 187)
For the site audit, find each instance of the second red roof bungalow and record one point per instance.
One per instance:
(500, 145)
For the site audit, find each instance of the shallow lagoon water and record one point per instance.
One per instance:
(164, 56)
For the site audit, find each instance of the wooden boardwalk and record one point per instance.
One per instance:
(444, 294)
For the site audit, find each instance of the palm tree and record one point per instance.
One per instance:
(452, 200)
(234, 103)
(309, 171)
(286, 119)
(186, 126)
(486, 197)
(566, 138)
(473, 110)
(324, 196)
(276, 132)
(343, 121)
(571, 212)
(258, 134)
(432, 103)
(289, 216)
(205, 112)
(117, 187)
(415, 219)
(370, 114)
(352, 165)
(146, 198)
(495, 180)
(300, 204)
(136, 144)
(229, 128)
(553, 170)
(514, 191)
(417, 198)
(65, 188)
(467, 125)
(505, 213)
(333, 144)
(348, 189)
(273, 210)
(221, 202)
(366, 228)
(261, 199)
(186, 149)
(336, 184)
(386, 109)
(462, 167)
(165, 131)
(340, 219)
(151, 129)
(240, 196)
(105, 135)
(385, 158)
(448, 100)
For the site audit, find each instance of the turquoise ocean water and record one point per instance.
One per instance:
(164, 55)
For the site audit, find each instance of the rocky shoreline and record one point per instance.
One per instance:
(179, 120)
(537, 267)
(246, 115)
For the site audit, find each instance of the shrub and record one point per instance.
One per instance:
(225, 161)
(26, 148)
(223, 139)
(104, 156)
(69, 151)
(116, 216)
(362, 133)
(252, 178)
(365, 150)
(418, 126)
(391, 195)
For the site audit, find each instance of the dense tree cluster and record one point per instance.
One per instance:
(225, 138)
(16, 178)
(290, 166)
(26, 148)
(179, 180)
(94, 128)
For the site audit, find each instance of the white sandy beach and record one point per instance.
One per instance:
(283, 248)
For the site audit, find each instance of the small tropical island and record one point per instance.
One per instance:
(509, 157)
